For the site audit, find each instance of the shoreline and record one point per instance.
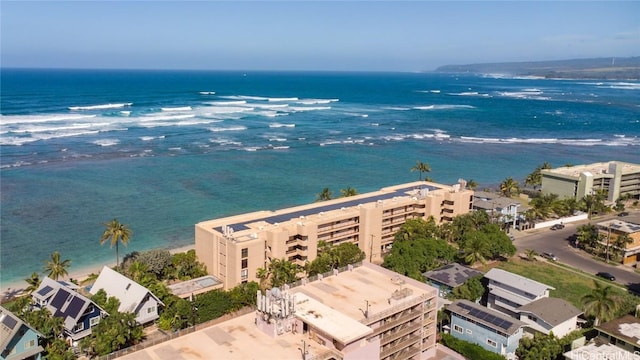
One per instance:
(16, 289)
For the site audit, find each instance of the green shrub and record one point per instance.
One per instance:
(469, 350)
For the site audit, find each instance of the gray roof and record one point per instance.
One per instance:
(518, 282)
(130, 293)
(488, 317)
(553, 311)
(62, 301)
(452, 275)
(10, 326)
(497, 203)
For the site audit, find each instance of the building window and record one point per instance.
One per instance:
(79, 327)
(245, 263)
(244, 273)
(458, 328)
(245, 252)
(151, 310)
(492, 343)
(94, 321)
(29, 344)
(469, 331)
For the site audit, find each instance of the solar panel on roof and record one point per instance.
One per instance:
(75, 307)
(59, 299)
(9, 322)
(485, 316)
(296, 214)
(45, 290)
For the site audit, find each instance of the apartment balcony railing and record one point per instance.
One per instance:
(399, 346)
(394, 335)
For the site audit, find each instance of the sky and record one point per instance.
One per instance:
(311, 35)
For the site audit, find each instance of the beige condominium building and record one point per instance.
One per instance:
(616, 177)
(233, 248)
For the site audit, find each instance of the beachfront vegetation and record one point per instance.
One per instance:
(33, 281)
(56, 267)
(472, 184)
(421, 167)
(331, 257)
(115, 332)
(509, 187)
(535, 178)
(115, 233)
(348, 191)
(422, 245)
(324, 195)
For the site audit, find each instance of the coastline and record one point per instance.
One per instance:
(15, 289)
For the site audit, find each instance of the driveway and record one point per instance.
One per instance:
(557, 242)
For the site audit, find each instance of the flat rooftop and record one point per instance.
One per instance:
(241, 222)
(336, 298)
(195, 286)
(349, 291)
(595, 168)
(620, 226)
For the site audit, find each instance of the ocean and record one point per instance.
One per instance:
(163, 150)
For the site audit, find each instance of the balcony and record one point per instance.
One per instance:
(399, 346)
(392, 322)
(396, 334)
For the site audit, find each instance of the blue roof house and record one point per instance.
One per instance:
(17, 339)
(79, 314)
(488, 328)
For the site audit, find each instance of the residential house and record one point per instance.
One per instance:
(611, 230)
(548, 315)
(508, 291)
(134, 298)
(17, 339)
(488, 328)
(78, 312)
(449, 277)
(616, 339)
(505, 210)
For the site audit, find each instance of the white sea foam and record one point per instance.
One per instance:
(244, 97)
(226, 103)
(623, 86)
(155, 117)
(207, 92)
(106, 142)
(226, 109)
(278, 125)
(125, 113)
(443, 107)
(178, 108)
(470, 93)
(316, 101)
(274, 99)
(310, 108)
(529, 94)
(99, 107)
(20, 119)
(230, 128)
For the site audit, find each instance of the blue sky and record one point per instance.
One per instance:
(311, 35)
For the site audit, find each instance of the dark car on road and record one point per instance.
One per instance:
(606, 275)
(623, 214)
(557, 227)
(549, 256)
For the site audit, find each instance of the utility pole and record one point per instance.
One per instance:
(371, 248)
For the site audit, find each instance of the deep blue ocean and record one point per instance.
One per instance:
(163, 150)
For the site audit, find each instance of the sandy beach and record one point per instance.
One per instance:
(14, 289)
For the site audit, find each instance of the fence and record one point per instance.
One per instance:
(175, 334)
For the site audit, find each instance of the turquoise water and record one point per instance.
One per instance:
(162, 151)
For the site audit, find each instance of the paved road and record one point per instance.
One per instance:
(557, 242)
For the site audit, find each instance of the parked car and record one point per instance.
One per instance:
(624, 213)
(549, 256)
(557, 227)
(606, 275)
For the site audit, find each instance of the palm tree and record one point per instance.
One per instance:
(621, 243)
(472, 184)
(421, 167)
(600, 303)
(34, 283)
(57, 267)
(324, 195)
(509, 187)
(476, 250)
(348, 191)
(531, 254)
(116, 232)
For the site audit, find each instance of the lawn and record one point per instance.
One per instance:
(569, 285)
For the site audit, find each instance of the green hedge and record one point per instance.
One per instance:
(469, 350)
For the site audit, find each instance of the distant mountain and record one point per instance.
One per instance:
(596, 68)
